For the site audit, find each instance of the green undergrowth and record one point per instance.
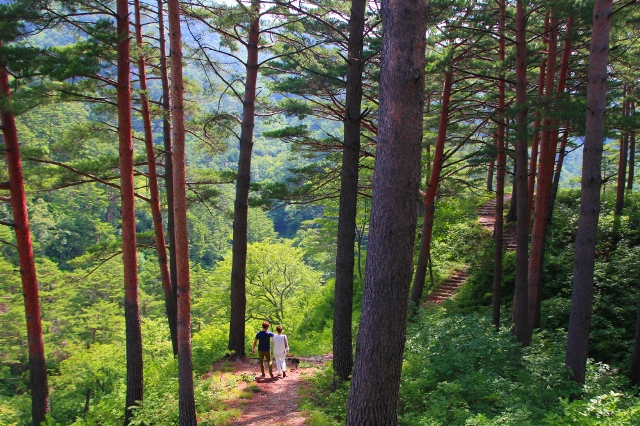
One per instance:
(323, 399)
(458, 370)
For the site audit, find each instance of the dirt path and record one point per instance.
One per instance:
(276, 402)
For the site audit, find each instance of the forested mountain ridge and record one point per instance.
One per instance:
(317, 138)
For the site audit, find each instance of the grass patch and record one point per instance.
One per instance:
(252, 388)
(228, 367)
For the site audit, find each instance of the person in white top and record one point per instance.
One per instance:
(280, 350)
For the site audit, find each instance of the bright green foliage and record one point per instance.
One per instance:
(12, 331)
(99, 369)
(208, 345)
(210, 297)
(71, 222)
(612, 409)
(459, 371)
(617, 267)
(277, 278)
(457, 367)
(326, 406)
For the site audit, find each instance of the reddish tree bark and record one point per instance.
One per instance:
(430, 194)
(501, 163)
(37, 367)
(535, 143)
(492, 165)
(522, 207)
(622, 159)
(127, 210)
(186, 400)
(545, 195)
(533, 166)
(584, 260)
(168, 161)
(556, 176)
(373, 396)
(343, 300)
(243, 180)
(632, 150)
(543, 187)
(156, 214)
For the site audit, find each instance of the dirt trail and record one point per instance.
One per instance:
(277, 401)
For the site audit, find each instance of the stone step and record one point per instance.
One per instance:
(486, 213)
(447, 289)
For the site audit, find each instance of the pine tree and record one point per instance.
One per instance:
(129, 255)
(584, 260)
(343, 300)
(154, 201)
(395, 188)
(522, 209)
(186, 396)
(37, 366)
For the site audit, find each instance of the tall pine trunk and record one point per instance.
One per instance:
(156, 214)
(546, 164)
(168, 167)
(550, 187)
(522, 208)
(127, 209)
(512, 213)
(430, 194)
(243, 180)
(622, 162)
(584, 260)
(632, 149)
(186, 400)
(37, 367)
(535, 144)
(501, 163)
(373, 396)
(343, 300)
(562, 152)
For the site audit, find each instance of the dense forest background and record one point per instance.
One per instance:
(466, 361)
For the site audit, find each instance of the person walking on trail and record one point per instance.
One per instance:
(263, 339)
(280, 350)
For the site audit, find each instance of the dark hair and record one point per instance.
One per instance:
(265, 324)
(279, 328)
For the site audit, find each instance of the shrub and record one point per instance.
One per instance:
(318, 396)
(457, 368)
(208, 345)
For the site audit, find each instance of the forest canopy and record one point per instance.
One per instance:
(441, 195)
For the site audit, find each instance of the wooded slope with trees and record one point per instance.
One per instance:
(180, 171)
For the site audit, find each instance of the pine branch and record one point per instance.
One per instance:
(87, 175)
(8, 243)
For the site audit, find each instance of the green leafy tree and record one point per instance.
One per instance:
(276, 276)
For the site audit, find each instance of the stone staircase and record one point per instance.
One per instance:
(448, 288)
(486, 218)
